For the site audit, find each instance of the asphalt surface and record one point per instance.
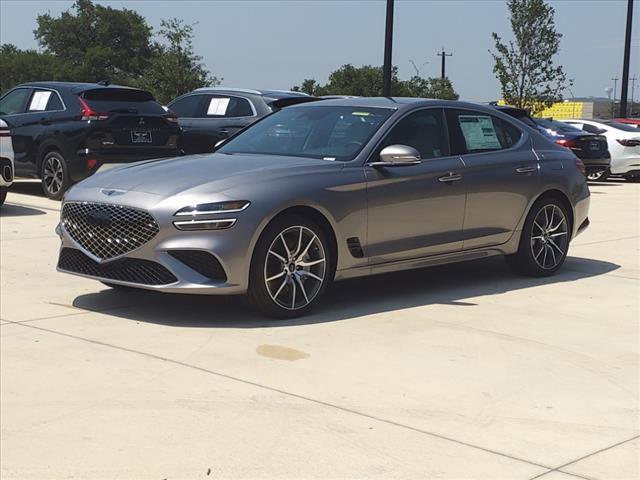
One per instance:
(462, 372)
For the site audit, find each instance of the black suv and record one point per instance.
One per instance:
(208, 115)
(64, 132)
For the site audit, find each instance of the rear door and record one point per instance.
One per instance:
(501, 174)
(223, 116)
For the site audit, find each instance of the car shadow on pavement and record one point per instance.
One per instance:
(27, 187)
(9, 210)
(457, 284)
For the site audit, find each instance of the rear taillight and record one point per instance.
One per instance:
(569, 144)
(628, 142)
(171, 117)
(580, 166)
(87, 113)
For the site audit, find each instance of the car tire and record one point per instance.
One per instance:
(3, 194)
(600, 176)
(544, 241)
(55, 175)
(291, 268)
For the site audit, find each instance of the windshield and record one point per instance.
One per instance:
(325, 132)
(557, 127)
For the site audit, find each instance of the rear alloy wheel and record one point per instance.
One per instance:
(600, 176)
(545, 239)
(55, 175)
(290, 269)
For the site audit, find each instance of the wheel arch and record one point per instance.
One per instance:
(314, 214)
(562, 198)
(45, 149)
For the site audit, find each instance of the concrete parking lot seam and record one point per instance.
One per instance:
(301, 397)
(558, 469)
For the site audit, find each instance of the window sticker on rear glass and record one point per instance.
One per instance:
(39, 101)
(479, 132)
(218, 106)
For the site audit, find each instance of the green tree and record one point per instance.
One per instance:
(524, 66)
(19, 66)
(98, 42)
(433, 87)
(175, 68)
(308, 86)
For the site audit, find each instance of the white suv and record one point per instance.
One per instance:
(623, 141)
(6, 160)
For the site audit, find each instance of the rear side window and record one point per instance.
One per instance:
(122, 100)
(591, 128)
(54, 103)
(13, 102)
(39, 100)
(228, 107)
(477, 132)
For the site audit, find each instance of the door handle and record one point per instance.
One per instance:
(224, 131)
(526, 169)
(451, 177)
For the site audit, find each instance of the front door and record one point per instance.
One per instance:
(417, 210)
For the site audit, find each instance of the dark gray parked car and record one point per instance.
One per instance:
(330, 190)
(208, 115)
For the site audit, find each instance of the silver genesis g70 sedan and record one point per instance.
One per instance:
(325, 191)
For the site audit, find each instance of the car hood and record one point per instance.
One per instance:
(206, 173)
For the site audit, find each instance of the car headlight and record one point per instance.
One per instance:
(212, 208)
(197, 211)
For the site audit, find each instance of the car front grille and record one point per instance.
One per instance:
(105, 230)
(132, 270)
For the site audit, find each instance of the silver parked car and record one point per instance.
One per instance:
(325, 191)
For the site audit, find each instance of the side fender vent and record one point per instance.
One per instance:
(355, 248)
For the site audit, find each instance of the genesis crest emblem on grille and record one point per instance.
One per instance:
(99, 218)
(112, 192)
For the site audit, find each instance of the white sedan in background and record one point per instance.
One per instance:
(6, 160)
(624, 145)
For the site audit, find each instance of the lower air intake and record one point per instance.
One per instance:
(202, 262)
(132, 270)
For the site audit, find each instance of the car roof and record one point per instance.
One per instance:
(275, 94)
(399, 103)
(75, 86)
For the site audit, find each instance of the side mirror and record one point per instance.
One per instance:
(397, 156)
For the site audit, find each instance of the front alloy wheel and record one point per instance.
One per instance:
(290, 268)
(600, 176)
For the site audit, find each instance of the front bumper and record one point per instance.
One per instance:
(156, 264)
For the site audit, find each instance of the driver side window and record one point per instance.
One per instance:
(423, 130)
(14, 102)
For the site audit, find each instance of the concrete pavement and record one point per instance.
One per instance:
(458, 372)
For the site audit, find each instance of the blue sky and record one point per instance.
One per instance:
(276, 44)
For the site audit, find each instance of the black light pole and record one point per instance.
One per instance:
(388, 40)
(625, 65)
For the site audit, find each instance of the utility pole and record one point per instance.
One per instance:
(633, 91)
(444, 56)
(626, 60)
(388, 41)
